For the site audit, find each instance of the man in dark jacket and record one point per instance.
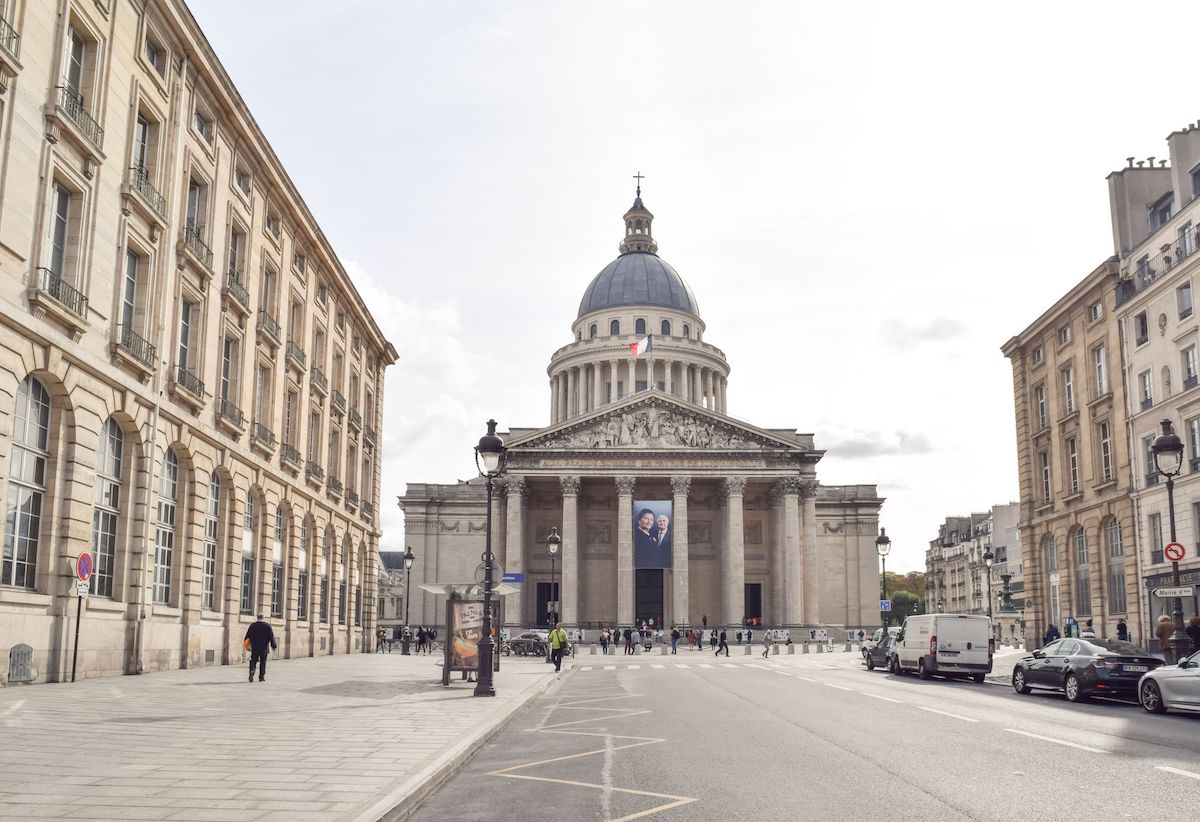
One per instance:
(262, 640)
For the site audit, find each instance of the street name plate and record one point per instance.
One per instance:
(1167, 593)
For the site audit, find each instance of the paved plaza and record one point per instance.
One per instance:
(332, 738)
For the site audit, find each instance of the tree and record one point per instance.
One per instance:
(905, 604)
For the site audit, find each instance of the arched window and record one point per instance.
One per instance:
(277, 562)
(639, 326)
(164, 540)
(687, 330)
(26, 484)
(302, 571)
(578, 335)
(249, 546)
(666, 328)
(1117, 602)
(341, 577)
(212, 535)
(325, 550)
(108, 507)
(1083, 588)
(358, 572)
(614, 327)
(592, 331)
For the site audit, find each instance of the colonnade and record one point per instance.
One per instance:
(580, 389)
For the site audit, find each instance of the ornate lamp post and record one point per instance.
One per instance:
(553, 543)
(1168, 459)
(409, 558)
(883, 545)
(490, 452)
(988, 559)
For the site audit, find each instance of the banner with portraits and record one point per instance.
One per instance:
(653, 528)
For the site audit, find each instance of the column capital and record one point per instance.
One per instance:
(681, 485)
(625, 485)
(808, 487)
(569, 485)
(733, 486)
(515, 486)
(790, 485)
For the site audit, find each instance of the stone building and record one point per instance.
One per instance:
(738, 526)
(190, 386)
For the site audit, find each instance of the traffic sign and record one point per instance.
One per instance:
(81, 588)
(83, 566)
(885, 605)
(513, 578)
(1174, 551)
(1167, 593)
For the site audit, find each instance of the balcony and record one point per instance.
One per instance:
(54, 296)
(338, 401)
(334, 486)
(351, 498)
(1191, 382)
(262, 437)
(231, 417)
(1138, 276)
(355, 419)
(368, 510)
(188, 387)
(268, 327)
(134, 346)
(1147, 404)
(289, 457)
(313, 472)
(319, 383)
(140, 183)
(194, 244)
(1194, 464)
(10, 41)
(369, 435)
(1152, 479)
(235, 292)
(70, 110)
(296, 356)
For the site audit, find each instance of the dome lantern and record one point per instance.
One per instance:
(637, 226)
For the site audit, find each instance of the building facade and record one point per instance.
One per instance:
(190, 387)
(670, 511)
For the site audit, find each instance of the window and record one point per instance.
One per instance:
(249, 547)
(1195, 175)
(1095, 311)
(107, 508)
(164, 541)
(1146, 381)
(1156, 538)
(1044, 461)
(1187, 241)
(1083, 588)
(1038, 355)
(197, 205)
(1193, 435)
(237, 250)
(299, 260)
(666, 328)
(277, 562)
(314, 435)
(302, 578)
(129, 291)
(204, 126)
(1073, 465)
(1161, 211)
(322, 294)
(76, 64)
(230, 351)
(1101, 365)
(1039, 406)
(1189, 367)
(1148, 451)
(63, 239)
(188, 322)
(1183, 298)
(1068, 382)
(262, 395)
(592, 331)
(639, 326)
(295, 321)
(212, 530)
(687, 331)
(324, 604)
(341, 599)
(26, 484)
(241, 178)
(1106, 457)
(155, 54)
(273, 223)
(141, 145)
(1050, 549)
(290, 407)
(614, 328)
(1141, 328)
(1064, 335)
(1116, 568)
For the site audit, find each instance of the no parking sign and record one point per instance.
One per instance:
(83, 567)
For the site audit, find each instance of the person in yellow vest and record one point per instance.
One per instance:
(558, 644)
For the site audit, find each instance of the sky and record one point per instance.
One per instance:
(867, 200)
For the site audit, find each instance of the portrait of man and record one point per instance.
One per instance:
(663, 532)
(652, 534)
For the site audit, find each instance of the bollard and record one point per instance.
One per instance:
(820, 647)
(847, 645)
(593, 650)
(662, 650)
(747, 651)
(774, 650)
(791, 649)
(806, 648)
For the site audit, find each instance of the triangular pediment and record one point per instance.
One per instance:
(655, 421)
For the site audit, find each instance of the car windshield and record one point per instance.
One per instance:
(1112, 646)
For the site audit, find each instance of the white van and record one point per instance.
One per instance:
(945, 644)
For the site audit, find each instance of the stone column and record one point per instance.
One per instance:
(613, 371)
(597, 385)
(631, 386)
(793, 578)
(571, 400)
(775, 610)
(553, 400)
(625, 551)
(708, 389)
(689, 382)
(680, 609)
(734, 557)
(514, 545)
(808, 542)
(569, 593)
(667, 376)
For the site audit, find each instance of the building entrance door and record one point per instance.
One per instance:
(754, 601)
(547, 602)
(648, 596)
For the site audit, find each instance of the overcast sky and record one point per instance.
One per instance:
(867, 199)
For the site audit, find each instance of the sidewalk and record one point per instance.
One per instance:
(333, 738)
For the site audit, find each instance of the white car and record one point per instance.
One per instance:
(1172, 686)
(870, 642)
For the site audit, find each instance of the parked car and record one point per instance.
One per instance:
(1172, 686)
(945, 645)
(873, 640)
(530, 643)
(1084, 667)
(880, 654)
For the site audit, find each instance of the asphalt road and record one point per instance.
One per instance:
(817, 737)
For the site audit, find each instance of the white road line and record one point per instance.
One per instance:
(806, 679)
(839, 687)
(1056, 741)
(784, 673)
(754, 665)
(1169, 769)
(586, 668)
(610, 667)
(884, 698)
(705, 665)
(634, 667)
(681, 665)
(947, 713)
(728, 665)
(659, 667)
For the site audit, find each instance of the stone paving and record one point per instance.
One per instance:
(332, 738)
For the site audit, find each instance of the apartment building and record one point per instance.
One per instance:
(1155, 215)
(191, 388)
(1078, 529)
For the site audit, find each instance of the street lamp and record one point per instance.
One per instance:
(988, 559)
(490, 451)
(883, 545)
(409, 557)
(1168, 459)
(553, 543)
(941, 604)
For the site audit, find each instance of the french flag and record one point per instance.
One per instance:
(642, 346)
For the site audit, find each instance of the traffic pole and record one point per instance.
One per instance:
(75, 653)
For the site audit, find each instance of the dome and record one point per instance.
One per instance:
(638, 278)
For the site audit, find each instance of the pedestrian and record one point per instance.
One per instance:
(1193, 631)
(749, 637)
(724, 643)
(712, 638)
(738, 635)
(704, 621)
(674, 640)
(1088, 631)
(558, 644)
(430, 636)
(1164, 630)
(379, 634)
(766, 644)
(604, 642)
(261, 640)
(628, 640)
(1122, 631)
(1051, 634)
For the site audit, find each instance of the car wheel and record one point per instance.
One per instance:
(922, 671)
(978, 678)
(1073, 691)
(1019, 682)
(1151, 697)
(870, 663)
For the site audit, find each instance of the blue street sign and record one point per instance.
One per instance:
(885, 605)
(513, 578)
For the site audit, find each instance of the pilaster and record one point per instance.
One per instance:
(733, 558)
(570, 549)
(680, 611)
(514, 545)
(793, 575)
(625, 550)
(808, 551)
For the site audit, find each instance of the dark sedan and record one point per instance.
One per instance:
(880, 655)
(1084, 667)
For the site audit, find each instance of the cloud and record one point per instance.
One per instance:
(858, 444)
(906, 336)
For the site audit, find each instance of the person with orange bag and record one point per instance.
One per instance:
(260, 639)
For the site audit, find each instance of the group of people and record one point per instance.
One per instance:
(425, 638)
(1163, 632)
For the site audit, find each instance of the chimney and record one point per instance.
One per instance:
(1162, 163)
(1130, 161)
(1150, 161)
(1141, 163)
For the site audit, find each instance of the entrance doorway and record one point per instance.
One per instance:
(547, 604)
(753, 592)
(648, 598)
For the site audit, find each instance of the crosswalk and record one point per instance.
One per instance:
(758, 664)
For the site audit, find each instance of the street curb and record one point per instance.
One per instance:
(404, 801)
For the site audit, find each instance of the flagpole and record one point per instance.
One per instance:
(650, 382)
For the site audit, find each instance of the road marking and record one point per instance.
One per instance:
(705, 665)
(660, 667)
(839, 687)
(884, 698)
(806, 679)
(1055, 741)
(634, 667)
(1169, 769)
(754, 665)
(681, 665)
(586, 668)
(728, 665)
(947, 713)
(784, 673)
(610, 667)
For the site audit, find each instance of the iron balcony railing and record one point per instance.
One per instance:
(318, 379)
(338, 400)
(368, 510)
(369, 435)
(355, 419)
(263, 435)
(1145, 270)
(1191, 382)
(193, 240)
(334, 485)
(231, 412)
(296, 354)
(189, 381)
(314, 470)
(139, 181)
(290, 454)
(70, 103)
(58, 289)
(269, 324)
(10, 41)
(138, 346)
(233, 283)
(351, 497)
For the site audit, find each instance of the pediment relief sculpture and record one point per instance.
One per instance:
(654, 427)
